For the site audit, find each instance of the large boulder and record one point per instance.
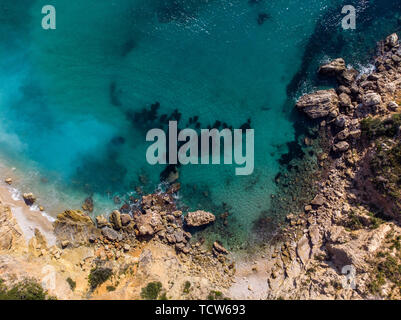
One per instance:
(303, 249)
(318, 200)
(111, 234)
(149, 223)
(341, 121)
(101, 222)
(345, 100)
(149, 220)
(391, 41)
(74, 217)
(125, 219)
(342, 135)
(75, 226)
(318, 104)
(347, 254)
(334, 68)
(371, 99)
(199, 218)
(341, 146)
(115, 219)
(347, 77)
(29, 198)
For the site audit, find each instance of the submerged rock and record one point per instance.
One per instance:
(219, 248)
(199, 218)
(318, 104)
(88, 204)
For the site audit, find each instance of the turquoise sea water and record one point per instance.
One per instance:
(68, 97)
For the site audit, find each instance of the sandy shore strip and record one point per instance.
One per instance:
(28, 218)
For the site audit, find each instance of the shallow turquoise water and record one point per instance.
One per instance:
(67, 95)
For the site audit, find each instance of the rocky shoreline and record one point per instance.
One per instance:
(349, 226)
(352, 220)
(146, 242)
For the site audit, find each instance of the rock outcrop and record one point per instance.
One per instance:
(11, 236)
(29, 198)
(319, 104)
(199, 218)
(75, 226)
(334, 68)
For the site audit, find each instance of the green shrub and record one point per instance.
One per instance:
(187, 286)
(163, 296)
(27, 289)
(98, 276)
(216, 295)
(151, 291)
(72, 283)
(354, 222)
(111, 288)
(375, 221)
(375, 127)
(387, 269)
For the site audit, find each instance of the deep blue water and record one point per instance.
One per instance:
(70, 97)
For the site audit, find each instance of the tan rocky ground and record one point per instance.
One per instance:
(133, 263)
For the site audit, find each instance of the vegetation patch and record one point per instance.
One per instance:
(216, 295)
(27, 289)
(386, 269)
(386, 168)
(151, 291)
(111, 288)
(396, 244)
(386, 161)
(72, 283)
(187, 286)
(376, 127)
(354, 222)
(99, 276)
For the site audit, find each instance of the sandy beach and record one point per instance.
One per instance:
(27, 217)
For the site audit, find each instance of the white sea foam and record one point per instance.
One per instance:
(43, 213)
(365, 69)
(28, 228)
(16, 195)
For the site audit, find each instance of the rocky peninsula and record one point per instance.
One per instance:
(146, 249)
